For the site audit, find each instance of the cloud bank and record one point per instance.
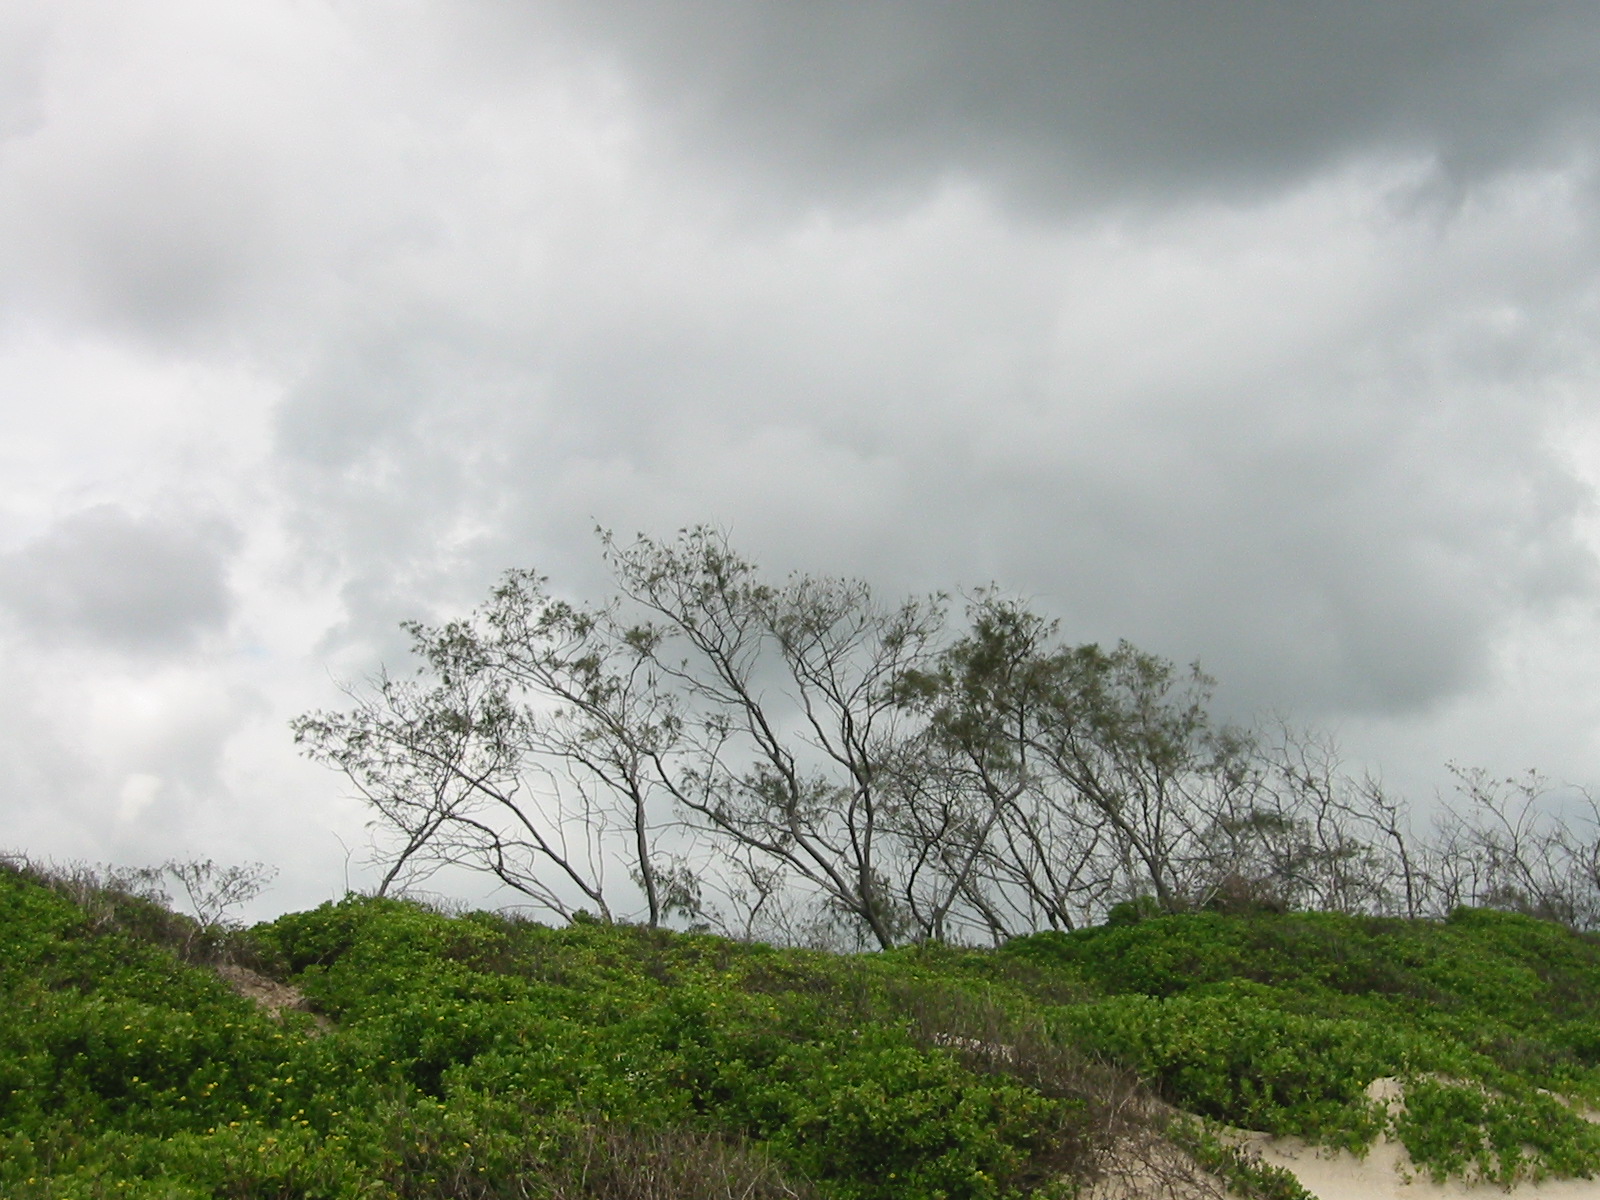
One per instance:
(1250, 333)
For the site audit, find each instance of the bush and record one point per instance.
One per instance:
(479, 1057)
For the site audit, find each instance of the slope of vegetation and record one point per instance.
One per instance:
(482, 1056)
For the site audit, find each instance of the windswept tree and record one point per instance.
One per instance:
(449, 762)
(790, 741)
(823, 759)
(758, 716)
(1019, 854)
(1091, 775)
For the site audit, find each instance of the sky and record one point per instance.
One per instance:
(1255, 333)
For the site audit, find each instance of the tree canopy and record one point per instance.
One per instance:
(802, 759)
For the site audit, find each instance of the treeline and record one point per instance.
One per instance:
(803, 761)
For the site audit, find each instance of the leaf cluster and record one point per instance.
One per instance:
(480, 1055)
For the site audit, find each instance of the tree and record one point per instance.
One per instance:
(1020, 853)
(214, 891)
(789, 739)
(1095, 775)
(830, 763)
(761, 715)
(1507, 849)
(1348, 844)
(449, 762)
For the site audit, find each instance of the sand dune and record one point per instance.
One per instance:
(1383, 1175)
(1386, 1172)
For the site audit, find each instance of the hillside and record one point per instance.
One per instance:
(482, 1056)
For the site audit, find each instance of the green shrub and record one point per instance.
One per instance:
(479, 1056)
(1463, 1129)
(1229, 1056)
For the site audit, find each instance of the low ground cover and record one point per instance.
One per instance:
(478, 1055)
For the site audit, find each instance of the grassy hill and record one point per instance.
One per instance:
(485, 1057)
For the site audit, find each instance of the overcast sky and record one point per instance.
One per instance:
(1261, 333)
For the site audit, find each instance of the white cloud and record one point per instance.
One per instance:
(107, 577)
(317, 316)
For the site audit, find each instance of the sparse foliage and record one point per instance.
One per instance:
(214, 891)
(450, 763)
(1078, 776)
(802, 760)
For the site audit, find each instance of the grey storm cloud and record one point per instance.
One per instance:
(1091, 99)
(1264, 333)
(107, 578)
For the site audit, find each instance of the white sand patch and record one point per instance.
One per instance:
(1154, 1170)
(270, 995)
(1386, 1173)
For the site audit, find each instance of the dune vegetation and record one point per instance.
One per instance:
(435, 1054)
(770, 822)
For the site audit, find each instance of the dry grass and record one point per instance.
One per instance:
(608, 1163)
(1118, 1143)
(132, 901)
(603, 1161)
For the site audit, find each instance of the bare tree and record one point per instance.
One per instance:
(214, 891)
(449, 766)
(1503, 844)
(1523, 856)
(1348, 844)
